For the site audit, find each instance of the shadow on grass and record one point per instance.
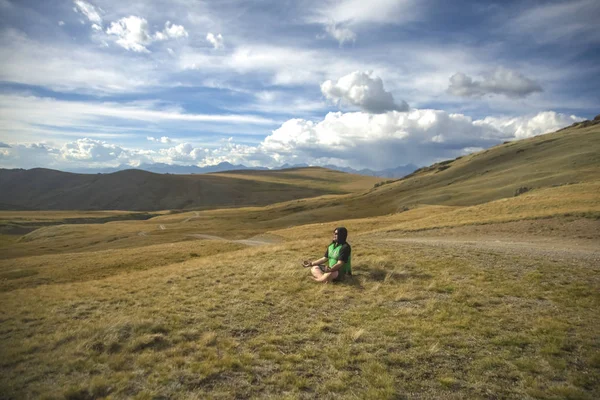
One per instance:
(350, 280)
(382, 275)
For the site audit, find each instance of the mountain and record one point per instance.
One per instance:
(136, 190)
(161, 168)
(565, 157)
(397, 172)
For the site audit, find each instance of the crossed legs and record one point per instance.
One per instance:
(320, 276)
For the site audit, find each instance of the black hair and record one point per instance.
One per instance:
(342, 234)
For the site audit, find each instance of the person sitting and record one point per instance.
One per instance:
(337, 261)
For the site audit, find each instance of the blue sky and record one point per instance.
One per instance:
(377, 84)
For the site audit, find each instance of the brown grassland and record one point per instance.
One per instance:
(462, 290)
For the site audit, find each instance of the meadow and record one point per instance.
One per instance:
(486, 294)
(201, 318)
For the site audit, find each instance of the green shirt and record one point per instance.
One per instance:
(342, 252)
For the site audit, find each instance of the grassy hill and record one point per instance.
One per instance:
(462, 289)
(135, 190)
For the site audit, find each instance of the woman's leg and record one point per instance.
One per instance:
(320, 276)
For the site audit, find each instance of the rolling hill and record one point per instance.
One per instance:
(473, 278)
(135, 190)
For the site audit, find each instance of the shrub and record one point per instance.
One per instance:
(521, 190)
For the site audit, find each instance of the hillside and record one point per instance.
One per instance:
(135, 190)
(561, 170)
(569, 156)
(461, 290)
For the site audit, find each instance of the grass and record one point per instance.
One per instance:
(215, 319)
(412, 321)
(152, 309)
(312, 177)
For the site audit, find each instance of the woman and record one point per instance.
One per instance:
(337, 261)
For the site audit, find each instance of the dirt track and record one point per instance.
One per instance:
(256, 241)
(576, 239)
(546, 248)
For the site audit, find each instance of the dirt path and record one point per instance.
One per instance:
(196, 215)
(256, 241)
(555, 248)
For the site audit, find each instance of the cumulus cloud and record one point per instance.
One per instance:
(500, 81)
(184, 152)
(171, 31)
(215, 40)
(133, 33)
(61, 23)
(379, 141)
(358, 140)
(340, 33)
(89, 11)
(28, 155)
(525, 127)
(163, 139)
(364, 90)
(90, 150)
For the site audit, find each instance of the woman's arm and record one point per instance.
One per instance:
(318, 262)
(338, 265)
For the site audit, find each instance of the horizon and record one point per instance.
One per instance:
(100, 84)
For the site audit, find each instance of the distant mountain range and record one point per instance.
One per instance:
(136, 190)
(160, 168)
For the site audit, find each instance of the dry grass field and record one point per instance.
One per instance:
(481, 295)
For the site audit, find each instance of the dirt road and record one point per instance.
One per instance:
(255, 241)
(554, 248)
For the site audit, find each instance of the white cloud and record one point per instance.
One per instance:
(529, 126)
(132, 33)
(81, 153)
(171, 31)
(559, 22)
(501, 81)
(36, 117)
(358, 140)
(61, 23)
(283, 103)
(359, 11)
(90, 150)
(184, 152)
(89, 11)
(163, 139)
(341, 34)
(364, 90)
(339, 17)
(215, 40)
(68, 67)
(387, 140)
(28, 155)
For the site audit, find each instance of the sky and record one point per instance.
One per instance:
(363, 84)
